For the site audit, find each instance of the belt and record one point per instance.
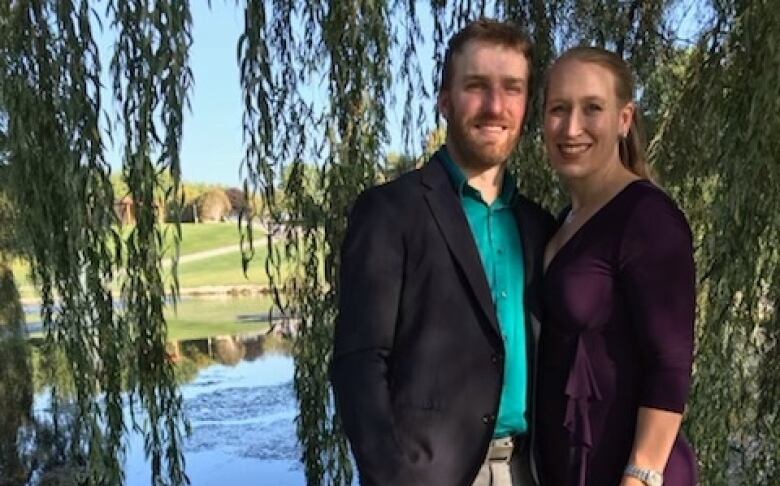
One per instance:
(500, 450)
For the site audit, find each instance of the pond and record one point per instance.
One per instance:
(242, 416)
(238, 395)
(241, 406)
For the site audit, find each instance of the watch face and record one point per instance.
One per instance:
(654, 479)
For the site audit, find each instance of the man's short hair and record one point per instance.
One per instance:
(489, 31)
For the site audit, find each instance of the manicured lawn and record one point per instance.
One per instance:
(219, 270)
(202, 317)
(223, 270)
(197, 237)
(199, 318)
(206, 236)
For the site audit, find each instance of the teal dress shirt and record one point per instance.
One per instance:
(497, 236)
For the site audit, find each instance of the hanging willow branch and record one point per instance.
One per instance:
(60, 181)
(726, 170)
(152, 80)
(324, 169)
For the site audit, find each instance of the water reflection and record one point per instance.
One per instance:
(15, 384)
(241, 405)
(237, 392)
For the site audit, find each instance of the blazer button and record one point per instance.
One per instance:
(488, 418)
(495, 359)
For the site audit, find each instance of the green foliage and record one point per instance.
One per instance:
(356, 41)
(10, 244)
(15, 382)
(59, 182)
(152, 79)
(49, 84)
(725, 169)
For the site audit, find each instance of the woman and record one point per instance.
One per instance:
(617, 344)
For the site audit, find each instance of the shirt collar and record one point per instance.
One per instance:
(461, 183)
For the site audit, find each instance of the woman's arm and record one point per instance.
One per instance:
(658, 279)
(656, 431)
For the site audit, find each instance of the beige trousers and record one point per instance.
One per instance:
(505, 465)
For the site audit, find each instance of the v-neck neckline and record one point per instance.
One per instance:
(586, 223)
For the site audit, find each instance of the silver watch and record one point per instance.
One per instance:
(647, 476)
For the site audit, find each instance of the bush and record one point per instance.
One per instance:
(213, 205)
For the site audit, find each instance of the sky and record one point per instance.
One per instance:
(212, 147)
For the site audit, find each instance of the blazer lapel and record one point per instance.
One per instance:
(448, 213)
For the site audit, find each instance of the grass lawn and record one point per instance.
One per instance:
(200, 318)
(197, 237)
(206, 236)
(205, 317)
(223, 270)
(220, 270)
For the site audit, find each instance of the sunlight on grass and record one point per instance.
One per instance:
(223, 270)
(197, 318)
(207, 236)
(217, 270)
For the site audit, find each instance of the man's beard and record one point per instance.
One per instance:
(477, 154)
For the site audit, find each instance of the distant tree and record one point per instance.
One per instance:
(435, 139)
(238, 200)
(213, 205)
(398, 164)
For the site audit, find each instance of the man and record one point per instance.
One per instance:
(436, 335)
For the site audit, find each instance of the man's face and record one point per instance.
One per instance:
(485, 104)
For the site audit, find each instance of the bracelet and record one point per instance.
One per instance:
(647, 476)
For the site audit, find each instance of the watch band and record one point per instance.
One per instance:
(647, 476)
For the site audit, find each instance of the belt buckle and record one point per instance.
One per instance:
(500, 450)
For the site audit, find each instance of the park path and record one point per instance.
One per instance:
(202, 255)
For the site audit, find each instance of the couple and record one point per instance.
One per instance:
(479, 341)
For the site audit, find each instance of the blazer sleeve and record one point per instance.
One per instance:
(658, 278)
(370, 283)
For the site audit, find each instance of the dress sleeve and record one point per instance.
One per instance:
(658, 279)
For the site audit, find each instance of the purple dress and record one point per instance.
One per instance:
(619, 304)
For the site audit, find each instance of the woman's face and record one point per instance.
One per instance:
(583, 119)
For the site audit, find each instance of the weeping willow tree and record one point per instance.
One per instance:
(58, 180)
(318, 80)
(724, 167)
(721, 167)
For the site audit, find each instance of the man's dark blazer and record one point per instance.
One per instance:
(418, 361)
